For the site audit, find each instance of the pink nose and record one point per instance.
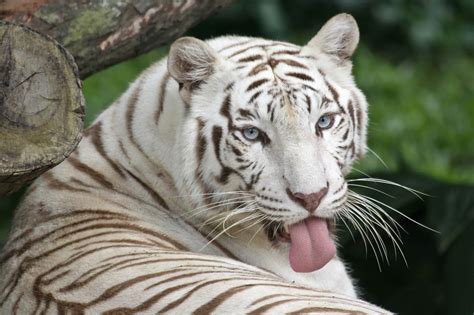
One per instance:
(309, 201)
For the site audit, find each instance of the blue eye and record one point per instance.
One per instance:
(251, 133)
(325, 121)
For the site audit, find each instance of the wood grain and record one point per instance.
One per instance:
(41, 105)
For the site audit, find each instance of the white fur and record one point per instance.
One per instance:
(162, 154)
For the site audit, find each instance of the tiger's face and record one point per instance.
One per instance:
(271, 131)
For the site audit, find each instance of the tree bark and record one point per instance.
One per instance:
(101, 33)
(41, 105)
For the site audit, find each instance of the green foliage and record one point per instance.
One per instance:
(102, 89)
(420, 114)
(7, 205)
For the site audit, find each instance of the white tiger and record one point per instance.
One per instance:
(211, 185)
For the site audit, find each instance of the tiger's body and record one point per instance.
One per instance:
(155, 211)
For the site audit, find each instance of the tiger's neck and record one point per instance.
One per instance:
(152, 112)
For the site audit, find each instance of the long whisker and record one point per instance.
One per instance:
(222, 216)
(415, 192)
(339, 216)
(378, 157)
(211, 209)
(356, 225)
(246, 209)
(217, 222)
(374, 218)
(388, 228)
(362, 232)
(218, 204)
(245, 219)
(260, 217)
(361, 172)
(263, 226)
(371, 188)
(370, 222)
(367, 204)
(400, 213)
(373, 232)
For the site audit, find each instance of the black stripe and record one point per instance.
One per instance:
(216, 138)
(333, 91)
(292, 63)
(286, 52)
(250, 58)
(92, 173)
(201, 143)
(245, 49)
(225, 111)
(201, 146)
(308, 103)
(229, 87)
(272, 115)
(344, 137)
(246, 113)
(257, 69)
(96, 138)
(236, 150)
(300, 76)
(256, 84)
(161, 99)
(254, 96)
(59, 185)
(129, 114)
(350, 108)
(150, 190)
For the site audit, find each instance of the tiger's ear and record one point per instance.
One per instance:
(191, 61)
(337, 38)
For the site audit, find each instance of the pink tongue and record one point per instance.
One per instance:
(311, 247)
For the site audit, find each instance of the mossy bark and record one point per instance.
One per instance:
(41, 105)
(102, 33)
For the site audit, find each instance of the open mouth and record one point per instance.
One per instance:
(280, 232)
(311, 242)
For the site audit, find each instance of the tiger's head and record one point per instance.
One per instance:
(269, 133)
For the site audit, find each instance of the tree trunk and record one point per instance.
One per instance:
(102, 33)
(41, 105)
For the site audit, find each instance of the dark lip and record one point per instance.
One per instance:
(283, 236)
(271, 229)
(276, 232)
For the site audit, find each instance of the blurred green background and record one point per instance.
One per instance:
(415, 63)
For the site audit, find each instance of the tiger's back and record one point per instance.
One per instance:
(117, 227)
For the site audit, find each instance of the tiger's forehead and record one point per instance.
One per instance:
(276, 79)
(244, 47)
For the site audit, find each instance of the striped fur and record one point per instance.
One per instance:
(166, 207)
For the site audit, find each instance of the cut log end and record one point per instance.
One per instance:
(41, 105)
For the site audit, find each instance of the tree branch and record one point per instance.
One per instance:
(41, 105)
(102, 33)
